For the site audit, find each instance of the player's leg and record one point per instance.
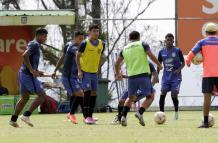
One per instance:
(77, 98)
(24, 81)
(207, 87)
(175, 87)
(165, 87)
(94, 87)
(18, 108)
(146, 90)
(37, 88)
(86, 81)
(133, 87)
(121, 102)
(67, 86)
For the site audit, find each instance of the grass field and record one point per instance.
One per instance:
(56, 129)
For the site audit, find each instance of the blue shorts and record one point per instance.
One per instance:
(139, 95)
(142, 84)
(90, 81)
(29, 84)
(171, 86)
(71, 84)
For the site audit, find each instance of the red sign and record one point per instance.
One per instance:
(201, 12)
(13, 41)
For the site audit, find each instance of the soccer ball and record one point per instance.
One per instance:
(198, 59)
(160, 117)
(211, 120)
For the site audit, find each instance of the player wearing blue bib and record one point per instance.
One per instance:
(70, 80)
(28, 82)
(173, 61)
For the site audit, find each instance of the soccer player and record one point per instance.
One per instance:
(135, 56)
(88, 62)
(140, 96)
(209, 49)
(28, 82)
(173, 61)
(70, 80)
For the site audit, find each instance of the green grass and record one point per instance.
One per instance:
(56, 129)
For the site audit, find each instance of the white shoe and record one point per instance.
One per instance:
(140, 118)
(176, 115)
(123, 121)
(26, 120)
(115, 120)
(14, 124)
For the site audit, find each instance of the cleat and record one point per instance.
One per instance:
(123, 121)
(26, 120)
(176, 115)
(204, 125)
(89, 120)
(14, 124)
(72, 118)
(140, 118)
(115, 120)
(95, 119)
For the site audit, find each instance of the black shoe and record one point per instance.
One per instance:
(204, 125)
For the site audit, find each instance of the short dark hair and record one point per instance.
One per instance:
(134, 35)
(170, 35)
(41, 31)
(211, 33)
(77, 33)
(93, 26)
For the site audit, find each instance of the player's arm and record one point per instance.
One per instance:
(26, 60)
(155, 78)
(193, 52)
(151, 55)
(154, 74)
(182, 60)
(160, 61)
(118, 75)
(154, 59)
(59, 63)
(103, 57)
(78, 56)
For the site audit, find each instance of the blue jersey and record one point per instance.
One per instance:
(33, 48)
(70, 66)
(172, 59)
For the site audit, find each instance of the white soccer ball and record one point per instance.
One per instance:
(198, 59)
(160, 117)
(211, 120)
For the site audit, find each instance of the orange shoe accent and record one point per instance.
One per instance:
(73, 119)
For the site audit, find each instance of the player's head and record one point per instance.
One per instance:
(211, 28)
(78, 37)
(94, 31)
(41, 35)
(134, 36)
(169, 40)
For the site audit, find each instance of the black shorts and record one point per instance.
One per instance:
(208, 84)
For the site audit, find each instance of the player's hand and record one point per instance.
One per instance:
(80, 74)
(188, 63)
(41, 73)
(118, 76)
(53, 76)
(160, 67)
(155, 79)
(177, 71)
(36, 73)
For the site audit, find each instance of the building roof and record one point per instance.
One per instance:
(37, 17)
